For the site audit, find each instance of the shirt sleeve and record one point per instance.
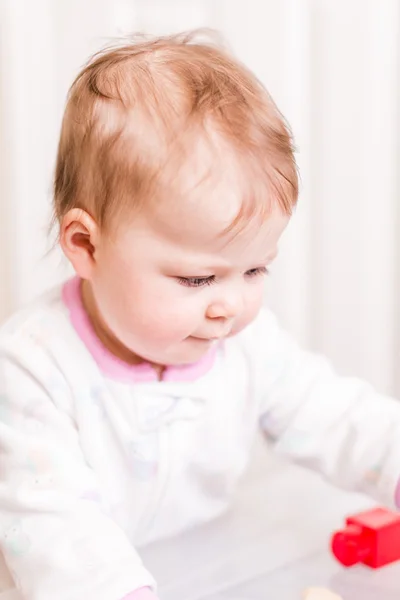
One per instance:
(141, 594)
(339, 426)
(56, 540)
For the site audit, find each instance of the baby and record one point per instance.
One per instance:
(130, 396)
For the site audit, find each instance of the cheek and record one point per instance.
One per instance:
(146, 307)
(254, 302)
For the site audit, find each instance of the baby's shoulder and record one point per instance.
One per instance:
(35, 323)
(35, 356)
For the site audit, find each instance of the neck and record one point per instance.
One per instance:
(105, 335)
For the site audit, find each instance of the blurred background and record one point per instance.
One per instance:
(333, 68)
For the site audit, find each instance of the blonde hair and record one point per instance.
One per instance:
(133, 110)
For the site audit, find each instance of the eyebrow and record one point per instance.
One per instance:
(225, 266)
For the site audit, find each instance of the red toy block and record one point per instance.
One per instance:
(371, 537)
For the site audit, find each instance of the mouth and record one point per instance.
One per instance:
(208, 340)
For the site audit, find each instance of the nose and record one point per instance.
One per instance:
(227, 308)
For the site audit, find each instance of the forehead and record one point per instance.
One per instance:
(203, 195)
(180, 237)
(207, 191)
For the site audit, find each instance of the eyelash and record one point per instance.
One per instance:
(195, 282)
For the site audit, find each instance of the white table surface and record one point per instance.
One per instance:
(273, 544)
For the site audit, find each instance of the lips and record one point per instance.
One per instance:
(212, 338)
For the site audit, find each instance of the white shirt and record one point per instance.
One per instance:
(98, 457)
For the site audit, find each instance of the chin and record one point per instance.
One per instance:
(183, 356)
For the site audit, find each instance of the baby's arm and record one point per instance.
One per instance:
(339, 426)
(57, 541)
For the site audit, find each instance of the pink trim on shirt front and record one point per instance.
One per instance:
(113, 366)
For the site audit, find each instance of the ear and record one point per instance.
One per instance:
(79, 238)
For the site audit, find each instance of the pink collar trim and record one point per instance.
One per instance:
(113, 366)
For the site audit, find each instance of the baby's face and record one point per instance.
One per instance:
(169, 284)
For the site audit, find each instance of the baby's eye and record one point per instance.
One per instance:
(196, 281)
(257, 271)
